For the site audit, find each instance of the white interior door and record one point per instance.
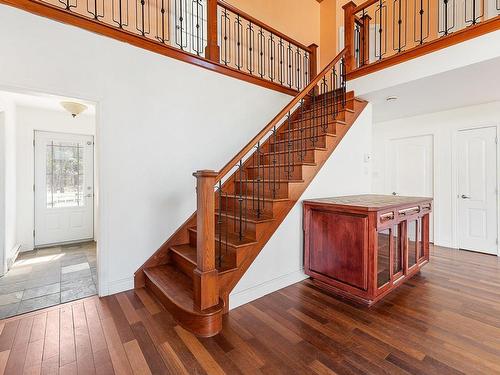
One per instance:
(411, 168)
(64, 188)
(477, 184)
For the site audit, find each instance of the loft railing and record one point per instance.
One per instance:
(249, 45)
(386, 30)
(202, 29)
(244, 188)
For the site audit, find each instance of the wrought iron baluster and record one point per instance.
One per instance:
(218, 229)
(420, 18)
(162, 20)
(69, 4)
(444, 14)
(290, 65)
(181, 30)
(261, 53)
(95, 11)
(307, 73)
(399, 11)
(226, 36)
(281, 56)
(381, 37)
(357, 44)
(142, 16)
(298, 65)
(121, 19)
(477, 14)
(238, 31)
(251, 48)
(197, 29)
(272, 52)
(274, 185)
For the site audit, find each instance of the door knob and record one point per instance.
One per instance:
(394, 193)
(465, 196)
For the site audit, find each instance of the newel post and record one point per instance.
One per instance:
(313, 62)
(212, 51)
(350, 59)
(206, 290)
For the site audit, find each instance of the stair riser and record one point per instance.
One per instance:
(249, 229)
(292, 172)
(267, 208)
(206, 326)
(308, 143)
(182, 263)
(233, 255)
(295, 136)
(275, 190)
(307, 156)
(327, 116)
(309, 123)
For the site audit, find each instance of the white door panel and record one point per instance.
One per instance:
(477, 180)
(64, 188)
(411, 168)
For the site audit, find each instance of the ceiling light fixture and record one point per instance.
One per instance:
(74, 108)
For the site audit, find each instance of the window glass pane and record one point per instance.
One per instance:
(383, 264)
(65, 175)
(398, 254)
(412, 242)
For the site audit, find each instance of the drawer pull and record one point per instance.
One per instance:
(426, 207)
(409, 210)
(386, 217)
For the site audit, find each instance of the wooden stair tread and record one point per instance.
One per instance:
(280, 165)
(251, 218)
(304, 139)
(188, 252)
(178, 288)
(309, 148)
(249, 198)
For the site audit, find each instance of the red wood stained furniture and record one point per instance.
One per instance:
(362, 247)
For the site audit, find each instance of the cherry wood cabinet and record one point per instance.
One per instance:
(364, 246)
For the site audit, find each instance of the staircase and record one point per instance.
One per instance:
(240, 207)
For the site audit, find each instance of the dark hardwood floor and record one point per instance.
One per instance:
(445, 320)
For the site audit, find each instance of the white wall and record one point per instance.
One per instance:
(281, 262)
(30, 119)
(444, 127)
(158, 120)
(8, 182)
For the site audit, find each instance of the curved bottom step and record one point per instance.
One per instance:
(175, 291)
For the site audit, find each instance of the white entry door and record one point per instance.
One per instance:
(64, 188)
(477, 183)
(411, 168)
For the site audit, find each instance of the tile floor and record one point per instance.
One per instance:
(47, 277)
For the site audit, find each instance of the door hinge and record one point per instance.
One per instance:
(496, 139)
(33, 187)
(33, 142)
(33, 233)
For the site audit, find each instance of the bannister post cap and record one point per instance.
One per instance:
(205, 173)
(350, 4)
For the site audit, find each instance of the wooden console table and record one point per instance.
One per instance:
(362, 247)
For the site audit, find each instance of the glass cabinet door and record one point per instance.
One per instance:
(412, 231)
(383, 257)
(397, 261)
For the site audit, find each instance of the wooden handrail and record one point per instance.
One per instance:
(245, 150)
(255, 21)
(365, 5)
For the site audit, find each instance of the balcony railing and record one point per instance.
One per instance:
(205, 29)
(381, 30)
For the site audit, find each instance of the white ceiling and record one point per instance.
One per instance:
(48, 102)
(474, 84)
